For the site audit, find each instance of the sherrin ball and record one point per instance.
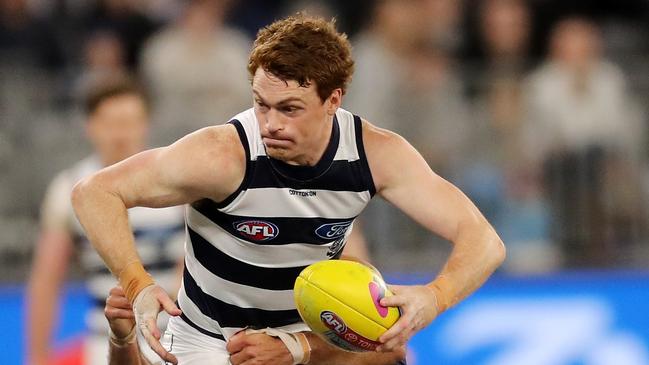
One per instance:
(339, 301)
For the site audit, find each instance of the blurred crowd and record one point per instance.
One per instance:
(536, 109)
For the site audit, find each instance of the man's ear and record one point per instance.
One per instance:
(334, 101)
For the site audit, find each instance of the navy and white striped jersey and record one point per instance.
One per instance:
(243, 254)
(159, 234)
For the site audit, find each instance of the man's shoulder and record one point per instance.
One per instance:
(342, 113)
(371, 129)
(213, 137)
(377, 139)
(205, 163)
(209, 142)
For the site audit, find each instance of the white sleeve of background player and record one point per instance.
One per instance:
(56, 210)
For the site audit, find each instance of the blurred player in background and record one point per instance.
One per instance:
(274, 190)
(117, 127)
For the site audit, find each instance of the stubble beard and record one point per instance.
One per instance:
(277, 153)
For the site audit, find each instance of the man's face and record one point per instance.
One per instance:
(118, 127)
(293, 120)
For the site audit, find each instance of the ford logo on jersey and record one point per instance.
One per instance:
(257, 230)
(331, 231)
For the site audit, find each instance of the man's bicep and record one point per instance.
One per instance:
(145, 179)
(207, 163)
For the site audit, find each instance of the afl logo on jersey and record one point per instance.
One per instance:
(257, 230)
(331, 231)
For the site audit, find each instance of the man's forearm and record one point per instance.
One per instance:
(104, 218)
(475, 256)
(324, 354)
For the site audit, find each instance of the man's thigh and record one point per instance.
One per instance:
(192, 347)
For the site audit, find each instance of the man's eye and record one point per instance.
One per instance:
(261, 105)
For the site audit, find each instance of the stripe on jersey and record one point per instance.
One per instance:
(198, 328)
(240, 272)
(212, 328)
(246, 177)
(241, 295)
(342, 175)
(367, 174)
(277, 202)
(228, 315)
(289, 229)
(289, 255)
(191, 311)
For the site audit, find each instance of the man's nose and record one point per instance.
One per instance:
(274, 121)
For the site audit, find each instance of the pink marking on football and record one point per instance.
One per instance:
(377, 294)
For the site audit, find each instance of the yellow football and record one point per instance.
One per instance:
(339, 301)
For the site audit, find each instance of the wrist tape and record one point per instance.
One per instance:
(133, 278)
(296, 343)
(443, 290)
(123, 341)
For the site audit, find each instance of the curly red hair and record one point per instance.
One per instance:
(305, 49)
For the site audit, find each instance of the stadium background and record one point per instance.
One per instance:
(536, 109)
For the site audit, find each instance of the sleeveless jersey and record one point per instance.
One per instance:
(243, 254)
(159, 236)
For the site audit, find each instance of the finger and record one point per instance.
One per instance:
(117, 291)
(169, 305)
(394, 301)
(394, 289)
(156, 346)
(240, 357)
(152, 326)
(396, 342)
(115, 313)
(236, 343)
(391, 345)
(118, 302)
(402, 324)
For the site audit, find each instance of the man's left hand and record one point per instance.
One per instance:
(257, 349)
(418, 309)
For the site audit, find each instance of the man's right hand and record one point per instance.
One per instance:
(119, 313)
(147, 304)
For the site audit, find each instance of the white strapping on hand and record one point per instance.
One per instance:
(300, 356)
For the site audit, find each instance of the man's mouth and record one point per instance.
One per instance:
(276, 142)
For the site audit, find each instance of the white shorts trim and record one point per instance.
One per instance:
(191, 347)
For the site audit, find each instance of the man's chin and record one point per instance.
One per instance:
(277, 153)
